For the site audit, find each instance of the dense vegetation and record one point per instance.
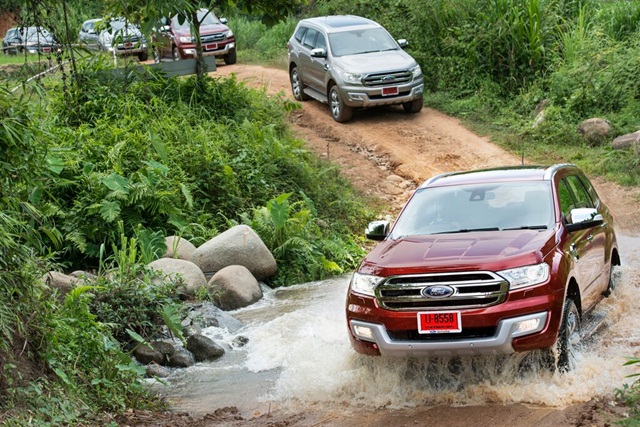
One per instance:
(95, 171)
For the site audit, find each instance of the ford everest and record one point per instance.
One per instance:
(492, 261)
(352, 62)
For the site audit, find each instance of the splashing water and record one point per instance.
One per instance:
(299, 353)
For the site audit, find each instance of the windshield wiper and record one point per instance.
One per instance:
(528, 227)
(468, 230)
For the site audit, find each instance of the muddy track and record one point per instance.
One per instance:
(386, 152)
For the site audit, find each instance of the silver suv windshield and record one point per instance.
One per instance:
(356, 42)
(477, 207)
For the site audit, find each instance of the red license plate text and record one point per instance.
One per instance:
(386, 91)
(439, 322)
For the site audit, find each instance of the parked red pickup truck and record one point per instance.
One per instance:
(492, 261)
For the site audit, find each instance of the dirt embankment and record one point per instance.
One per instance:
(379, 146)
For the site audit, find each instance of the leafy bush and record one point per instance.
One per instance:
(294, 234)
(175, 156)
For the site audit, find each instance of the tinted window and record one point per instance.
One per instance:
(309, 39)
(321, 43)
(299, 33)
(590, 190)
(566, 200)
(581, 197)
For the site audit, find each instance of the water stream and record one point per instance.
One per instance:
(298, 353)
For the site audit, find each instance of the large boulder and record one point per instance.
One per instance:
(628, 140)
(182, 358)
(595, 130)
(203, 314)
(179, 248)
(180, 270)
(158, 352)
(156, 371)
(63, 282)
(234, 287)
(204, 348)
(239, 245)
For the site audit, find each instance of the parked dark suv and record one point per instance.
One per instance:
(486, 262)
(352, 62)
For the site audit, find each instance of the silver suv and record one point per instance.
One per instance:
(352, 62)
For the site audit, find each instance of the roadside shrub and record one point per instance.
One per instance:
(294, 234)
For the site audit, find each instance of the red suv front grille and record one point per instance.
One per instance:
(468, 290)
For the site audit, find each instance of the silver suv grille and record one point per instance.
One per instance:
(470, 290)
(386, 79)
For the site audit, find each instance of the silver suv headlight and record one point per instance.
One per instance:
(364, 284)
(416, 71)
(522, 277)
(352, 77)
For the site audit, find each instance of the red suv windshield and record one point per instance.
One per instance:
(487, 206)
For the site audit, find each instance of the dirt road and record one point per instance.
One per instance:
(387, 153)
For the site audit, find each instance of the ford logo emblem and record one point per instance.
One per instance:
(388, 78)
(437, 291)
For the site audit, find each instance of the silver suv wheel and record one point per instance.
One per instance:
(340, 112)
(296, 86)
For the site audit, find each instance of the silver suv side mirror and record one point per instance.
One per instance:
(377, 230)
(581, 218)
(318, 53)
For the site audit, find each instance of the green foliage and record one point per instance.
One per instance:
(129, 297)
(630, 395)
(296, 237)
(169, 156)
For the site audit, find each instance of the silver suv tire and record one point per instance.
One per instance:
(340, 112)
(296, 86)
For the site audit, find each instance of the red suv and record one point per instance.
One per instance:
(491, 261)
(174, 38)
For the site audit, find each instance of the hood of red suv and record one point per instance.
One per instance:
(492, 251)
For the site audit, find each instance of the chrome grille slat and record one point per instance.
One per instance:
(471, 290)
(386, 79)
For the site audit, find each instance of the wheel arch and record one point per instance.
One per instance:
(615, 257)
(573, 292)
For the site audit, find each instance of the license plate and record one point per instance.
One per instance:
(128, 45)
(212, 46)
(439, 322)
(47, 49)
(386, 91)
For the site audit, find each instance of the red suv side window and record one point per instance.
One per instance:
(582, 198)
